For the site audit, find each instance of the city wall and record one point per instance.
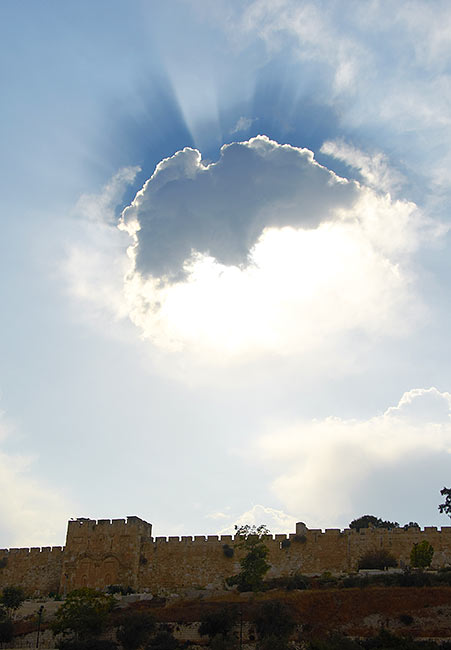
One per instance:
(123, 552)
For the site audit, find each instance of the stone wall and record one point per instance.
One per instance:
(101, 553)
(37, 570)
(122, 552)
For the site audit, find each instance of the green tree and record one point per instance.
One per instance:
(84, 613)
(370, 520)
(253, 564)
(446, 506)
(12, 598)
(135, 629)
(421, 554)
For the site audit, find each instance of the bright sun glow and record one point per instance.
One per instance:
(300, 287)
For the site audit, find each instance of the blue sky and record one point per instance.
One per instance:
(261, 334)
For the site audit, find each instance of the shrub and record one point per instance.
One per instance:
(228, 550)
(334, 642)
(6, 627)
(135, 629)
(83, 613)
(377, 559)
(274, 620)
(406, 619)
(119, 589)
(285, 543)
(163, 641)
(86, 644)
(273, 643)
(414, 579)
(300, 539)
(12, 597)
(3, 562)
(298, 581)
(220, 642)
(219, 622)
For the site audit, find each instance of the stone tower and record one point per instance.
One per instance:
(101, 553)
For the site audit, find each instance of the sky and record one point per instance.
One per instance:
(225, 261)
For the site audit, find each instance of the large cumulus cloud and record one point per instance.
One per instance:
(263, 252)
(221, 209)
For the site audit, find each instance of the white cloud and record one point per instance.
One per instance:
(400, 91)
(277, 521)
(243, 124)
(32, 513)
(374, 169)
(221, 209)
(321, 466)
(265, 252)
(295, 258)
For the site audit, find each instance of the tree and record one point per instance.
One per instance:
(366, 521)
(377, 559)
(83, 613)
(12, 598)
(253, 565)
(421, 554)
(446, 507)
(135, 629)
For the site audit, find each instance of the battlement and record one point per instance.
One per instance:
(101, 552)
(85, 526)
(22, 552)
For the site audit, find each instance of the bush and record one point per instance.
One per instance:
(119, 589)
(414, 579)
(273, 643)
(300, 539)
(12, 597)
(298, 581)
(163, 641)
(228, 550)
(6, 628)
(3, 562)
(285, 543)
(83, 613)
(86, 644)
(220, 642)
(220, 622)
(377, 559)
(135, 629)
(334, 642)
(406, 619)
(274, 619)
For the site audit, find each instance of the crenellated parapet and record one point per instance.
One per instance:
(102, 552)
